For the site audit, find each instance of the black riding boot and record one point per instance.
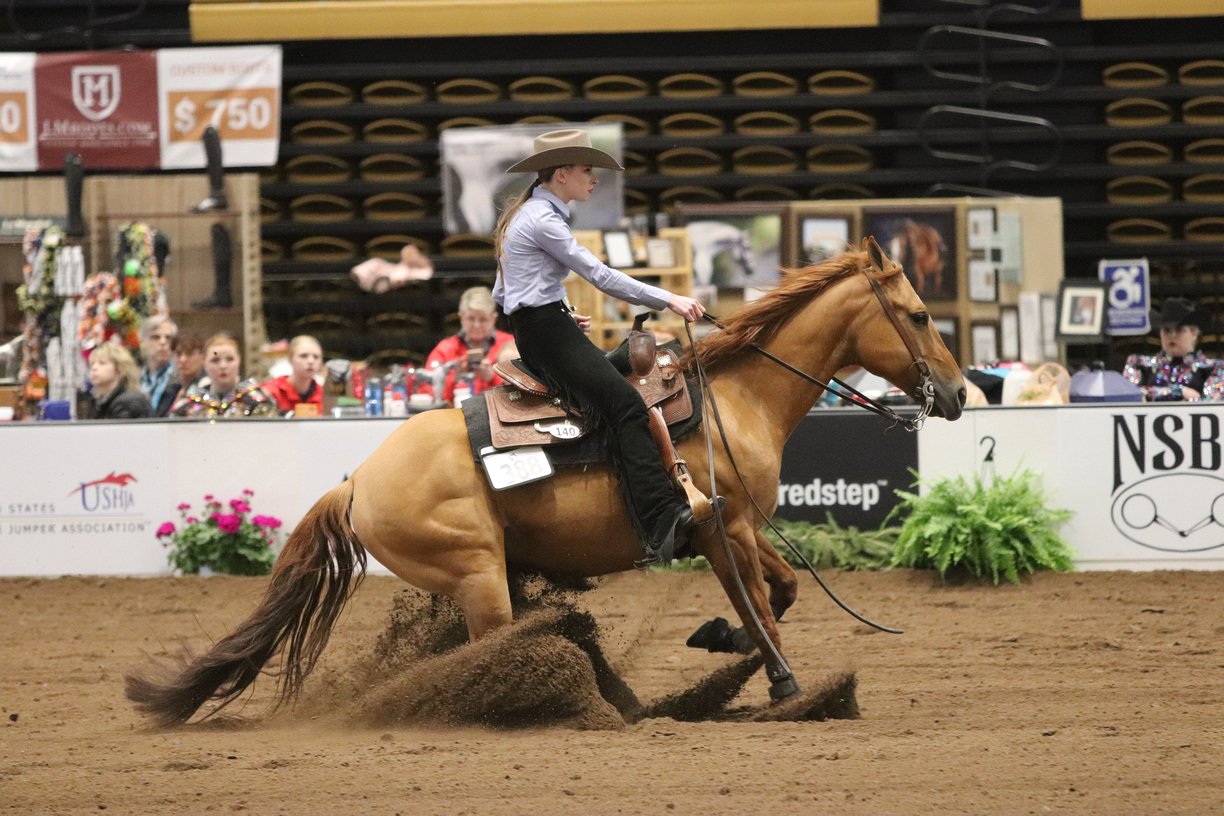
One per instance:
(216, 173)
(223, 254)
(74, 183)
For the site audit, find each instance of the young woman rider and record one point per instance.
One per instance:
(536, 250)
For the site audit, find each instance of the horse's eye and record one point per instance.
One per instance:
(920, 319)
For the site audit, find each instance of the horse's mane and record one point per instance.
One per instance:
(758, 321)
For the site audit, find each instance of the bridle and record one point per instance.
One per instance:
(926, 383)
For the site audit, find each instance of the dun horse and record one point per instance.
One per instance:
(423, 508)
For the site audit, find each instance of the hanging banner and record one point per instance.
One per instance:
(139, 109)
(100, 105)
(17, 150)
(236, 90)
(1130, 297)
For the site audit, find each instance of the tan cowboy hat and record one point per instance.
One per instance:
(559, 148)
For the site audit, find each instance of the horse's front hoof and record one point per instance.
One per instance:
(713, 636)
(784, 688)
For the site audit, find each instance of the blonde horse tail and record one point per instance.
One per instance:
(320, 566)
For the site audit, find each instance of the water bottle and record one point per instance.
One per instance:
(373, 397)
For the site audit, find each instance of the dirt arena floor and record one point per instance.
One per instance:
(1090, 693)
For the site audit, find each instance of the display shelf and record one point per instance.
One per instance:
(607, 331)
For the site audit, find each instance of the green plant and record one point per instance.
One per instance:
(221, 542)
(1001, 530)
(831, 546)
(826, 546)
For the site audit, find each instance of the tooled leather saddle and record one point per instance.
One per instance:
(525, 412)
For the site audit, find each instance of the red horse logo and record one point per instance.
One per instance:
(122, 480)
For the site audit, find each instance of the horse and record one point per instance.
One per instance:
(422, 507)
(921, 249)
(712, 238)
(475, 170)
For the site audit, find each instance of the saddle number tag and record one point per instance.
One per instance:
(517, 467)
(561, 430)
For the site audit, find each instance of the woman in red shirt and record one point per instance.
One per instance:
(300, 387)
(473, 350)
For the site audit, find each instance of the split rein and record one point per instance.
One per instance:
(927, 391)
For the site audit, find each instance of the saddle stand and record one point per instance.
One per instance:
(524, 412)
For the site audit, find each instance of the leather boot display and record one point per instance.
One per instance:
(222, 256)
(216, 173)
(74, 182)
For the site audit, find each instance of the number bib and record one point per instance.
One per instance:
(515, 467)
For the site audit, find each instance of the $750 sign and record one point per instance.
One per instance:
(236, 113)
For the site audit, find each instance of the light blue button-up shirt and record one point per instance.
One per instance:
(539, 251)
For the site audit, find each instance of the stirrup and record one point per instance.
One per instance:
(702, 506)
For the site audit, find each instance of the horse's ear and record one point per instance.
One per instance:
(878, 260)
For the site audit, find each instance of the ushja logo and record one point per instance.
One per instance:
(95, 90)
(108, 493)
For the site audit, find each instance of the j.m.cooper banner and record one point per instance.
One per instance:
(139, 109)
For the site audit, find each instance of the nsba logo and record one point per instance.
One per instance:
(1168, 494)
(109, 493)
(95, 90)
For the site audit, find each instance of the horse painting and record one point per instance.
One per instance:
(710, 239)
(921, 249)
(425, 510)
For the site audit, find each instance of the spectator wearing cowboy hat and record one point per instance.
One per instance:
(1179, 372)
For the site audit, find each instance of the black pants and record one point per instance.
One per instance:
(556, 350)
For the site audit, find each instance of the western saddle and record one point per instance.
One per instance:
(526, 412)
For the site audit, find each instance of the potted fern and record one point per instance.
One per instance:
(997, 530)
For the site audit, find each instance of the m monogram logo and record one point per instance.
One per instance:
(95, 90)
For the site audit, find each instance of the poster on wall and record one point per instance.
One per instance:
(139, 109)
(1129, 298)
(476, 188)
(17, 145)
(234, 89)
(99, 105)
(735, 245)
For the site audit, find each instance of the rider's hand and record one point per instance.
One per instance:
(583, 321)
(686, 307)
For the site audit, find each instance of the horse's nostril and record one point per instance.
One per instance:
(961, 395)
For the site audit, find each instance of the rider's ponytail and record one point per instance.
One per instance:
(499, 233)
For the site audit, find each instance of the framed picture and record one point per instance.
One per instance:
(924, 241)
(949, 332)
(735, 245)
(822, 237)
(619, 249)
(660, 253)
(983, 282)
(984, 342)
(1009, 333)
(980, 226)
(1081, 311)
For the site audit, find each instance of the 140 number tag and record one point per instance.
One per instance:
(516, 467)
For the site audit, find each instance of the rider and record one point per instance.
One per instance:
(536, 250)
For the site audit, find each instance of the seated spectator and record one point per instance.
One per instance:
(158, 379)
(469, 355)
(224, 395)
(1179, 372)
(299, 387)
(114, 380)
(188, 349)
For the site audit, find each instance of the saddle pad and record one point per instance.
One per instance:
(588, 450)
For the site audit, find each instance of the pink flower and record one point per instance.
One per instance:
(271, 522)
(184, 506)
(240, 506)
(192, 519)
(166, 529)
(208, 498)
(248, 492)
(229, 524)
(214, 517)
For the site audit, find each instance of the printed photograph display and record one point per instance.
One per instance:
(924, 242)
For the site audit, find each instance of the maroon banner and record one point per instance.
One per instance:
(101, 104)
